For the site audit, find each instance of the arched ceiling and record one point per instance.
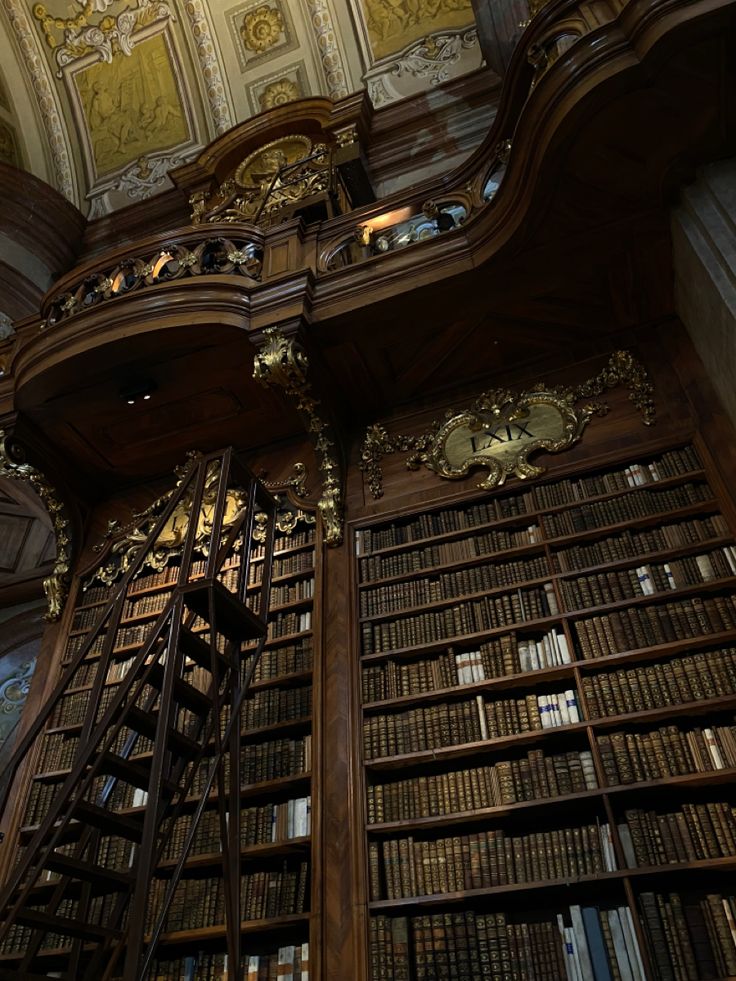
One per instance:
(101, 98)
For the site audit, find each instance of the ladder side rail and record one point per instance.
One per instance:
(214, 560)
(105, 734)
(40, 721)
(201, 805)
(156, 803)
(190, 538)
(175, 810)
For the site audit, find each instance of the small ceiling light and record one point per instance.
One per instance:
(137, 388)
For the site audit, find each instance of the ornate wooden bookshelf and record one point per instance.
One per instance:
(607, 727)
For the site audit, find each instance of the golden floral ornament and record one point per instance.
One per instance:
(279, 93)
(501, 430)
(281, 362)
(14, 466)
(262, 28)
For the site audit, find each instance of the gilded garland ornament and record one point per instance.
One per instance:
(129, 539)
(501, 430)
(14, 466)
(282, 363)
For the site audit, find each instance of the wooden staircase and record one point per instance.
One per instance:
(157, 733)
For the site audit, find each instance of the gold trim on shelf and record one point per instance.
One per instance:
(14, 466)
(501, 430)
(282, 363)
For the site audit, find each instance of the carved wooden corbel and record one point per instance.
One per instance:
(281, 362)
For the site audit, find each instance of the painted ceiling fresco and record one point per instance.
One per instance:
(102, 98)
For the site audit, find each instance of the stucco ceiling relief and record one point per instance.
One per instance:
(329, 50)
(46, 97)
(209, 62)
(410, 44)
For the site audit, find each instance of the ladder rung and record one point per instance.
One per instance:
(120, 825)
(40, 919)
(109, 879)
(198, 650)
(135, 773)
(185, 693)
(233, 618)
(146, 722)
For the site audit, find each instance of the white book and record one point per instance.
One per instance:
(671, 581)
(524, 658)
(305, 963)
(544, 711)
(533, 532)
(714, 751)
(475, 663)
(632, 944)
(286, 964)
(482, 716)
(462, 674)
(562, 710)
(290, 822)
(645, 580)
(534, 655)
(624, 834)
(729, 919)
(547, 657)
(628, 473)
(730, 555)
(567, 950)
(253, 967)
(556, 701)
(705, 567)
(581, 944)
(654, 471)
(619, 945)
(564, 649)
(586, 761)
(572, 705)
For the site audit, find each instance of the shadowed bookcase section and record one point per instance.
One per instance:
(548, 687)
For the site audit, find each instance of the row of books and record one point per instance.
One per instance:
(293, 592)
(581, 944)
(666, 752)
(275, 892)
(276, 662)
(288, 565)
(276, 758)
(139, 606)
(272, 705)
(450, 585)
(431, 523)
(467, 721)
(535, 776)
(276, 822)
(196, 903)
(627, 507)
(673, 463)
(710, 674)
(383, 566)
(76, 643)
(291, 622)
(646, 580)
(496, 658)
(630, 544)
(406, 867)
(289, 963)
(691, 936)
(474, 616)
(648, 626)
(297, 538)
(689, 834)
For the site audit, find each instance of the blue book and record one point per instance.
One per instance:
(596, 944)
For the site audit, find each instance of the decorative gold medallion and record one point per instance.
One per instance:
(500, 430)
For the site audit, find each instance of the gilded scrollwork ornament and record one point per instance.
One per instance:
(282, 363)
(15, 466)
(500, 430)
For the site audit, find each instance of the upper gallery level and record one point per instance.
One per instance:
(409, 263)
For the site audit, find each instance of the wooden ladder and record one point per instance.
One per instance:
(58, 885)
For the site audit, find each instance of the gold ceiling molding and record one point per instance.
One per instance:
(45, 94)
(14, 466)
(281, 362)
(501, 429)
(202, 35)
(333, 66)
